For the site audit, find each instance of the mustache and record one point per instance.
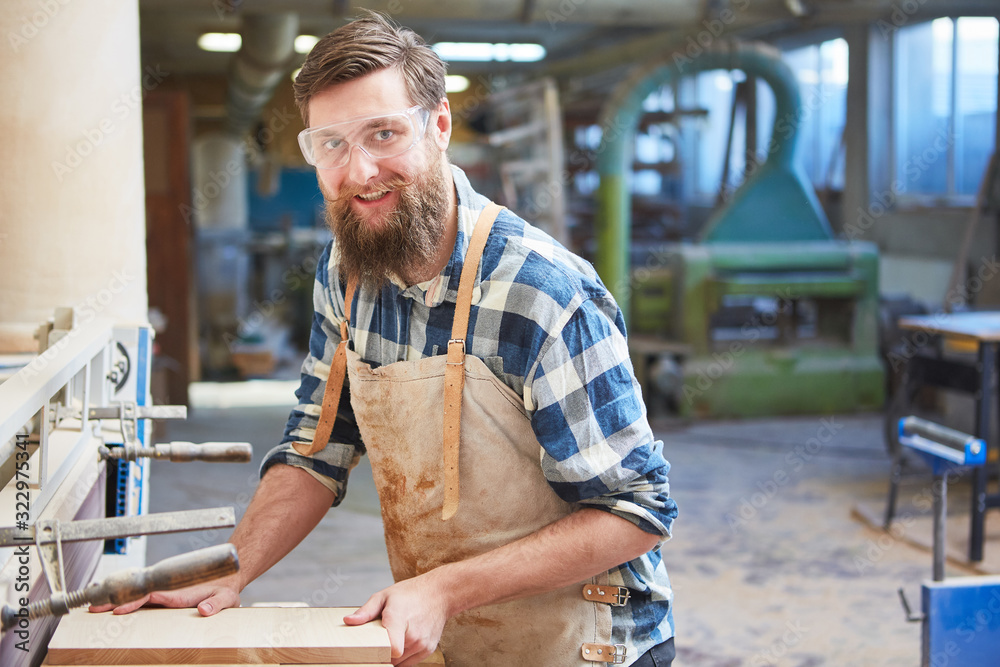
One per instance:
(348, 192)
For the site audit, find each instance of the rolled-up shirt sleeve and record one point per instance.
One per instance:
(332, 464)
(598, 449)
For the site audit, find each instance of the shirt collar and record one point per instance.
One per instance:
(444, 286)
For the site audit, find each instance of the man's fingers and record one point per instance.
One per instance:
(209, 601)
(415, 659)
(397, 636)
(369, 611)
(219, 601)
(126, 608)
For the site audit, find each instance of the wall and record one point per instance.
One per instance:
(72, 228)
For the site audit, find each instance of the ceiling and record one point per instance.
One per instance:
(569, 29)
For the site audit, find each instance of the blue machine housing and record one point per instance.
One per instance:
(961, 622)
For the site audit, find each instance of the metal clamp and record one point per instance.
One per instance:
(129, 427)
(49, 535)
(48, 541)
(128, 414)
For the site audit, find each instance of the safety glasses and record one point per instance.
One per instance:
(380, 137)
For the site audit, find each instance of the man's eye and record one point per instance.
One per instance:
(332, 144)
(384, 135)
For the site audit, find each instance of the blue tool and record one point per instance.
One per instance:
(961, 616)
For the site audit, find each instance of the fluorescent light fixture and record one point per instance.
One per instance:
(486, 52)
(221, 42)
(455, 83)
(305, 43)
(296, 74)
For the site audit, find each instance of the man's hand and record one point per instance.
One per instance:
(210, 598)
(413, 612)
(287, 505)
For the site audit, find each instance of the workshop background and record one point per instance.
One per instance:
(767, 187)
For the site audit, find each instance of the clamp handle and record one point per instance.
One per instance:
(219, 452)
(128, 585)
(169, 574)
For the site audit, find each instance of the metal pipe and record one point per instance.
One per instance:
(257, 68)
(786, 183)
(940, 493)
(938, 433)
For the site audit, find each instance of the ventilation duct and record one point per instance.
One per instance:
(263, 60)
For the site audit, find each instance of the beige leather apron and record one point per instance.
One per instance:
(502, 496)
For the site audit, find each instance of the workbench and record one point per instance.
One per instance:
(979, 331)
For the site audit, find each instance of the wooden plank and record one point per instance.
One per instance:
(271, 664)
(246, 635)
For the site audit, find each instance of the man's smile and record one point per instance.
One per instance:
(374, 196)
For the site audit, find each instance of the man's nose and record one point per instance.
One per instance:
(361, 166)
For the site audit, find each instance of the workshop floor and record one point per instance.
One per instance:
(772, 560)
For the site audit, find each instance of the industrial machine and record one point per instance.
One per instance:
(75, 443)
(960, 623)
(772, 313)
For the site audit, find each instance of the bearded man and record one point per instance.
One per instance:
(484, 370)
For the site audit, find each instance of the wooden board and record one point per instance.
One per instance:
(246, 635)
(273, 664)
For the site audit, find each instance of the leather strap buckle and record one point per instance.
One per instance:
(616, 596)
(609, 653)
(452, 344)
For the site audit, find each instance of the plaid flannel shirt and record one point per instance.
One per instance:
(544, 323)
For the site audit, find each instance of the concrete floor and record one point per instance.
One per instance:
(770, 561)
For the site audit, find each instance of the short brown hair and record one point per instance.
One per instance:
(366, 45)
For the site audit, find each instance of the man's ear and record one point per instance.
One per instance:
(441, 127)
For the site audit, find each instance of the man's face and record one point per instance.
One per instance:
(388, 214)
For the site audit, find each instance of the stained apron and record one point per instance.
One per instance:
(502, 497)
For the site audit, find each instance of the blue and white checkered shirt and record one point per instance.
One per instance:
(544, 323)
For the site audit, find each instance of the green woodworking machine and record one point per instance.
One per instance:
(765, 312)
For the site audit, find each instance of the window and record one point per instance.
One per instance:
(945, 82)
(821, 70)
(707, 141)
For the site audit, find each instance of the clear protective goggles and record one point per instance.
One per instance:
(385, 136)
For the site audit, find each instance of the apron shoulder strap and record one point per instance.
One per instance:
(334, 383)
(454, 374)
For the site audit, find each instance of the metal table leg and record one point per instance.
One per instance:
(984, 403)
(940, 521)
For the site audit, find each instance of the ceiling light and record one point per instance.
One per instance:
(222, 42)
(455, 83)
(295, 74)
(305, 43)
(486, 52)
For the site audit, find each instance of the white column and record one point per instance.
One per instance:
(72, 197)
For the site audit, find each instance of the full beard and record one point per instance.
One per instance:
(399, 242)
